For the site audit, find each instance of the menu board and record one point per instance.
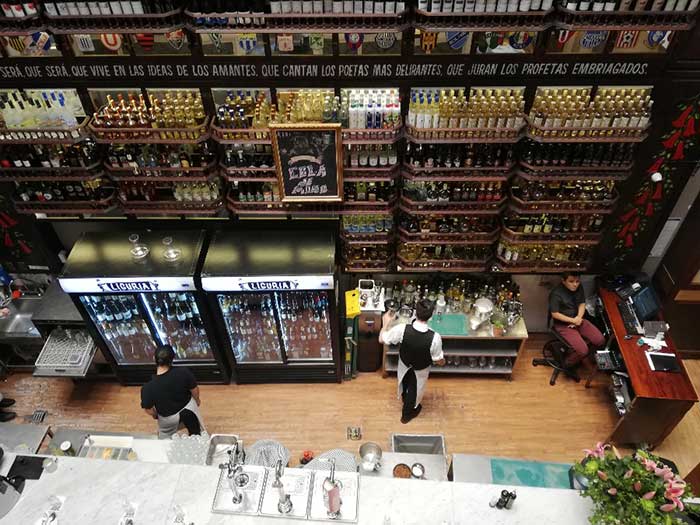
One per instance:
(309, 162)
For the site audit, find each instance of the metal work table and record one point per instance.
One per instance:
(14, 435)
(56, 307)
(435, 465)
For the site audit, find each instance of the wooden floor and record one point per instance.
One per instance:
(523, 418)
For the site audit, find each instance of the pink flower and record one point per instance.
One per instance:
(665, 473)
(637, 486)
(667, 507)
(649, 464)
(649, 495)
(612, 491)
(602, 475)
(628, 474)
(598, 451)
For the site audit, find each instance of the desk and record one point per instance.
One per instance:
(661, 398)
(22, 437)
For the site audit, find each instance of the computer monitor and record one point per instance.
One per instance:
(645, 304)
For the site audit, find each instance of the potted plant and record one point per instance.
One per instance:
(632, 490)
(498, 322)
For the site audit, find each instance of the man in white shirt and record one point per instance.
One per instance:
(420, 347)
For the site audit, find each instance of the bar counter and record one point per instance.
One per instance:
(94, 492)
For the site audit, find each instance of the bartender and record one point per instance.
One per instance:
(172, 396)
(419, 348)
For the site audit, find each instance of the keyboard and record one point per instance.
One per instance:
(629, 318)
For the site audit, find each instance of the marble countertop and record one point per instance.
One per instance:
(94, 491)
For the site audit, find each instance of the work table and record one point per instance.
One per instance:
(95, 490)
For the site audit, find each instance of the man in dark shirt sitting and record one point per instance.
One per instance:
(567, 305)
(172, 396)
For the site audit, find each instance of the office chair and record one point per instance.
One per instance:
(554, 354)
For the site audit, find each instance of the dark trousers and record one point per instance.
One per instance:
(189, 419)
(409, 387)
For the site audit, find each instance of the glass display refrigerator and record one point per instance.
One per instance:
(275, 298)
(137, 291)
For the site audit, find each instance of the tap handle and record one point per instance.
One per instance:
(279, 469)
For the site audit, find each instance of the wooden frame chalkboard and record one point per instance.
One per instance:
(309, 159)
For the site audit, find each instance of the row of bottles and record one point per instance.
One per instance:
(370, 156)
(626, 109)
(382, 191)
(454, 295)
(563, 191)
(111, 8)
(367, 223)
(483, 6)
(254, 191)
(88, 190)
(630, 5)
(458, 155)
(171, 109)
(250, 322)
(436, 192)
(444, 224)
(589, 154)
(378, 254)
(124, 329)
(177, 191)
(370, 108)
(46, 110)
(450, 108)
(535, 253)
(183, 156)
(419, 252)
(248, 156)
(79, 155)
(547, 223)
(305, 328)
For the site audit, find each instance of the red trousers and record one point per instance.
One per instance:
(578, 338)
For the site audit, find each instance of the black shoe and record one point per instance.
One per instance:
(7, 402)
(415, 413)
(7, 416)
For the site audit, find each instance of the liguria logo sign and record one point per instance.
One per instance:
(132, 286)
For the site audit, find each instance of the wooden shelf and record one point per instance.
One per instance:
(483, 21)
(625, 20)
(452, 208)
(600, 134)
(463, 135)
(349, 268)
(366, 238)
(86, 207)
(541, 267)
(437, 265)
(449, 238)
(379, 174)
(372, 136)
(150, 208)
(553, 176)
(550, 238)
(572, 207)
(302, 23)
(458, 175)
(577, 169)
(192, 135)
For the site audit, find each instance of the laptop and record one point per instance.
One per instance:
(640, 307)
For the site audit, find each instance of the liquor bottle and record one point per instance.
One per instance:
(370, 108)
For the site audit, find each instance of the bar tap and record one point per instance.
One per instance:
(284, 505)
(331, 493)
(234, 471)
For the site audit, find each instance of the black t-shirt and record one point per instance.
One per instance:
(168, 392)
(564, 301)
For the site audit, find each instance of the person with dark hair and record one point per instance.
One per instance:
(567, 305)
(172, 396)
(419, 348)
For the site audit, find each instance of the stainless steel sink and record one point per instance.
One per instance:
(19, 322)
(349, 495)
(250, 481)
(219, 445)
(297, 483)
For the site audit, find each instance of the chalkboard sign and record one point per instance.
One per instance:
(309, 162)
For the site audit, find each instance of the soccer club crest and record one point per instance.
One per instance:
(457, 39)
(317, 43)
(247, 42)
(217, 40)
(385, 41)
(657, 38)
(111, 41)
(285, 43)
(520, 40)
(84, 43)
(563, 36)
(176, 39)
(145, 40)
(627, 39)
(17, 43)
(428, 41)
(354, 40)
(593, 39)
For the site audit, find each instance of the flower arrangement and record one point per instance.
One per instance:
(631, 490)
